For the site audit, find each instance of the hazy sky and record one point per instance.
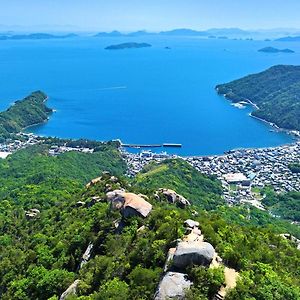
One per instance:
(151, 14)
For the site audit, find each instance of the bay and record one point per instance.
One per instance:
(143, 96)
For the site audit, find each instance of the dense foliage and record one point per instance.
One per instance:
(276, 91)
(32, 177)
(40, 256)
(178, 175)
(29, 111)
(284, 205)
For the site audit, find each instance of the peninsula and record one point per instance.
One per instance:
(24, 113)
(274, 92)
(275, 50)
(127, 46)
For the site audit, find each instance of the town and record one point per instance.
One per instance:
(243, 172)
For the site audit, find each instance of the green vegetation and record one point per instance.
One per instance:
(178, 175)
(276, 91)
(27, 112)
(286, 205)
(295, 167)
(31, 177)
(41, 253)
(40, 256)
(127, 46)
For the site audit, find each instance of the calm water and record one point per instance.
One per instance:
(149, 95)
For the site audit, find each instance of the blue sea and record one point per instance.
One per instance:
(149, 95)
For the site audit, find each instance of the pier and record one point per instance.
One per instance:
(165, 145)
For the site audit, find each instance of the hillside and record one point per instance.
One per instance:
(285, 205)
(29, 111)
(180, 176)
(42, 252)
(275, 91)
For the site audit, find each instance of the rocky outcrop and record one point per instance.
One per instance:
(193, 253)
(172, 286)
(172, 197)
(71, 290)
(129, 204)
(191, 223)
(32, 213)
(105, 176)
(93, 182)
(290, 237)
(191, 250)
(86, 255)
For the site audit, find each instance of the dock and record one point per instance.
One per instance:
(165, 145)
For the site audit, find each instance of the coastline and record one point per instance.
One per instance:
(295, 133)
(45, 121)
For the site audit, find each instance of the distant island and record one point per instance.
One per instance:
(275, 50)
(36, 36)
(289, 39)
(128, 46)
(275, 93)
(179, 32)
(24, 113)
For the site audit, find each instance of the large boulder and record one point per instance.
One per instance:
(193, 253)
(71, 290)
(191, 223)
(174, 198)
(129, 204)
(116, 199)
(172, 286)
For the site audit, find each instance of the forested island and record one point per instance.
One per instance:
(128, 46)
(275, 92)
(24, 113)
(275, 50)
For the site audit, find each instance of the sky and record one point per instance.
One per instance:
(152, 15)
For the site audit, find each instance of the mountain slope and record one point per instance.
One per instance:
(178, 175)
(275, 91)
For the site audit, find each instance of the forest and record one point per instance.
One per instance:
(23, 113)
(41, 255)
(275, 91)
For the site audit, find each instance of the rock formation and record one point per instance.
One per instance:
(173, 197)
(172, 286)
(86, 255)
(129, 204)
(71, 290)
(191, 250)
(189, 253)
(32, 213)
